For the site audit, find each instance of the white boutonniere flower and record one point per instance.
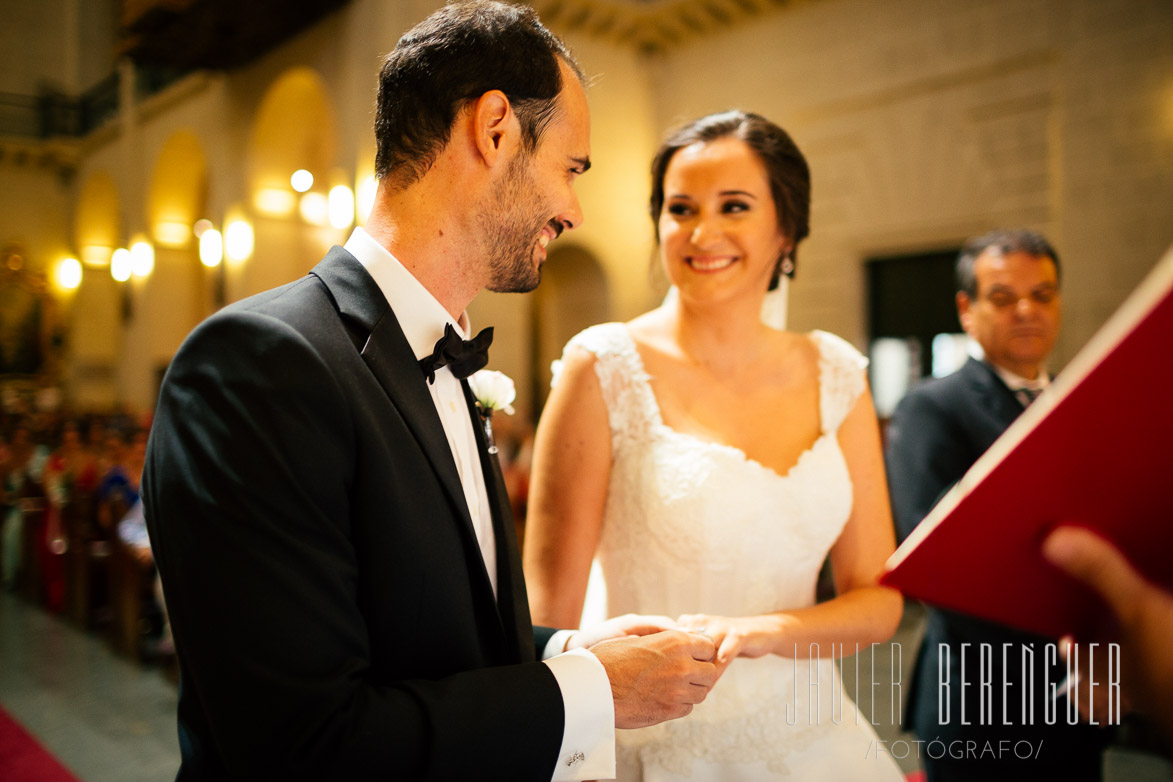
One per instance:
(493, 391)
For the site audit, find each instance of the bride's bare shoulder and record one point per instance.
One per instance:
(651, 330)
(791, 356)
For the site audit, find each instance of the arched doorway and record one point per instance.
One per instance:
(572, 296)
(178, 293)
(294, 130)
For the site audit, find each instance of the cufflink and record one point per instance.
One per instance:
(577, 757)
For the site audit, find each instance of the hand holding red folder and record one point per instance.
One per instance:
(1141, 614)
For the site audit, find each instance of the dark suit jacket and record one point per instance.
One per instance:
(937, 432)
(330, 605)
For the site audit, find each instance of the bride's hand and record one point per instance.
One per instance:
(742, 636)
(618, 627)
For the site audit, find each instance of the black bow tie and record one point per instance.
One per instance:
(461, 356)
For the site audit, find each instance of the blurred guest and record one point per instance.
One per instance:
(6, 504)
(69, 473)
(95, 435)
(119, 486)
(22, 480)
(73, 463)
(132, 531)
(1008, 302)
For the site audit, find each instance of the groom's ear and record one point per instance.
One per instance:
(496, 129)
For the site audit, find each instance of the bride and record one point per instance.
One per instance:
(712, 462)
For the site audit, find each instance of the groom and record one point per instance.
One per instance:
(332, 533)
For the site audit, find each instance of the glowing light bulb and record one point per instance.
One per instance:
(69, 273)
(142, 259)
(238, 240)
(211, 248)
(120, 264)
(341, 206)
(301, 180)
(314, 208)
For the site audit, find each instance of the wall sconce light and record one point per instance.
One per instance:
(142, 259)
(211, 248)
(238, 240)
(69, 274)
(121, 267)
(301, 180)
(274, 202)
(341, 206)
(120, 264)
(172, 233)
(314, 208)
(95, 255)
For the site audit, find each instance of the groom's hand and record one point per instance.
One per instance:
(657, 677)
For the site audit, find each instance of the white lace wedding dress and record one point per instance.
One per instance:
(697, 527)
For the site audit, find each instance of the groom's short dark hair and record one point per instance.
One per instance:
(454, 56)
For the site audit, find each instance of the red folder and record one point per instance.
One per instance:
(1094, 450)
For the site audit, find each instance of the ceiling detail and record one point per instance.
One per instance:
(651, 26)
(224, 34)
(215, 34)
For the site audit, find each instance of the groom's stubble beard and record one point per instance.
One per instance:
(511, 225)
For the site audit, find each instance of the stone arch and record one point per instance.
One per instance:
(97, 225)
(295, 128)
(573, 295)
(178, 190)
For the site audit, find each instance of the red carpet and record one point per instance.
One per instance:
(23, 759)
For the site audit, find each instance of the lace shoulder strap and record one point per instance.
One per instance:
(842, 377)
(630, 404)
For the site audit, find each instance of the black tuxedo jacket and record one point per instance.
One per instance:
(330, 605)
(937, 432)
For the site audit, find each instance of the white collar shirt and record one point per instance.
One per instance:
(1018, 383)
(422, 320)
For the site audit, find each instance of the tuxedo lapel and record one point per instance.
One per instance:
(995, 398)
(390, 359)
(512, 601)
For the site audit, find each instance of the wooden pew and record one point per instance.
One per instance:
(86, 562)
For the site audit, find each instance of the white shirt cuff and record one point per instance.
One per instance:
(588, 737)
(557, 644)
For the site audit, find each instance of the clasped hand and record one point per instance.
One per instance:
(657, 672)
(747, 636)
(660, 668)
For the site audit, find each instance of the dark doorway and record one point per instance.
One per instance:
(912, 297)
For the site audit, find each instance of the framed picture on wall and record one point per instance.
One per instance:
(28, 315)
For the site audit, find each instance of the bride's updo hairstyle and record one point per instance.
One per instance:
(786, 168)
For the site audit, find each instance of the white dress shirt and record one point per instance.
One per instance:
(588, 738)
